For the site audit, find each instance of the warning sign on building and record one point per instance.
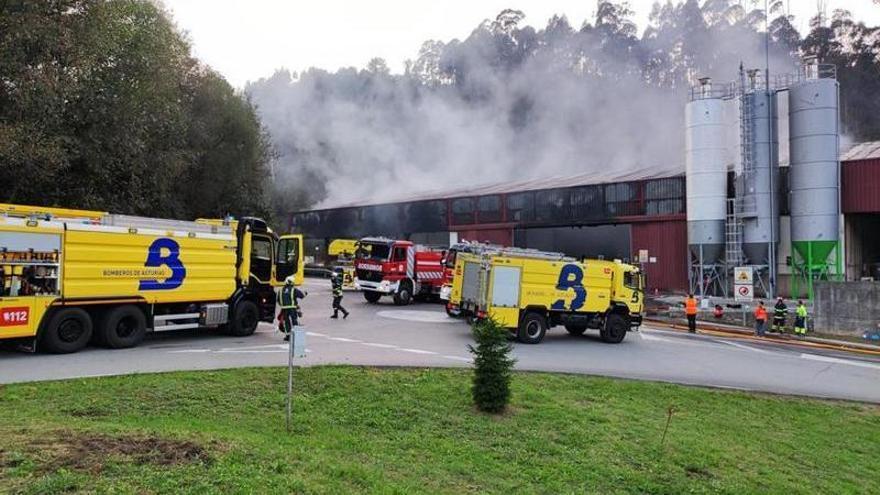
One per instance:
(743, 275)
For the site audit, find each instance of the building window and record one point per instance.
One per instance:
(664, 196)
(521, 207)
(463, 211)
(552, 206)
(587, 203)
(622, 199)
(425, 216)
(489, 209)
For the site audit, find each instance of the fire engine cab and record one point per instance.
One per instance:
(397, 268)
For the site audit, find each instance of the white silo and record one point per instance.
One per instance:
(759, 179)
(814, 176)
(706, 177)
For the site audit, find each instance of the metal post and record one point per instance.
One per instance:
(702, 282)
(289, 378)
(773, 195)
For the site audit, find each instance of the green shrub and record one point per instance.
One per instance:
(492, 366)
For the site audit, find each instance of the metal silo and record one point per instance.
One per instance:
(706, 176)
(815, 173)
(759, 202)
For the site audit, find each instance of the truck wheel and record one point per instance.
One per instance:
(615, 329)
(372, 297)
(404, 295)
(69, 330)
(576, 329)
(122, 327)
(244, 319)
(532, 328)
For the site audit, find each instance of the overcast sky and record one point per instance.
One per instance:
(248, 39)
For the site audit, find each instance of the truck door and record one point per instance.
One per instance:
(289, 259)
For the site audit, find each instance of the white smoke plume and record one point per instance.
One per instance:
(508, 103)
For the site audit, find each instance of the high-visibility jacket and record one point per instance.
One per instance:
(337, 286)
(287, 297)
(761, 313)
(690, 306)
(802, 311)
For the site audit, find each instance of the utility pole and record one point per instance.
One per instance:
(771, 99)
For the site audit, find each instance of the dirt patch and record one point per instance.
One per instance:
(697, 472)
(87, 412)
(90, 451)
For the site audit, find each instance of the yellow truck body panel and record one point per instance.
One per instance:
(152, 266)
(342, 247)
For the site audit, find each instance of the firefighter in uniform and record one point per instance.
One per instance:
(800, 319)
(780, 311)
(288, 300)
(690, 309)
(336, 283)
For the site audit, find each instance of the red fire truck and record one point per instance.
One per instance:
(401, 269)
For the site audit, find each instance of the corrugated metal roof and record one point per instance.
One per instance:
(861, 151)
(518, 186)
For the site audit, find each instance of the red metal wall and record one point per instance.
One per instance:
(502, 236)
(666, 241)
(860, 181)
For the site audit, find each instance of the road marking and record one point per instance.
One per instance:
(417, 351)
(382, 346)
(745, 347)
(189, 351)
(343, 339)
(834, 360)
(646, 336)
(315, 334)
(264, 351)
(417, 316)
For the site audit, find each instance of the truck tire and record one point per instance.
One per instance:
(245, 318)
(404, 294)
(532, 328)
(576, 329)
(68, 330)
(615, 329)
(122, 327)
(372, 297)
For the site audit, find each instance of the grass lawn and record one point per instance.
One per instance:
(415, 431)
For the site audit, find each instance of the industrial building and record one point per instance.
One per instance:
(813, 215)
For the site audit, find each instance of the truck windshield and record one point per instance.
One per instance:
(632, 280)
(450, 258)
(375, 252)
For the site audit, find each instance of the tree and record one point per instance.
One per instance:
(492, 366)
(102, 107)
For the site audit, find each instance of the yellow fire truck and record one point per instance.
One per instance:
(68, 277)
(529, 291)
(344, 250)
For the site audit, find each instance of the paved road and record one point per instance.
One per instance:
(422, 335)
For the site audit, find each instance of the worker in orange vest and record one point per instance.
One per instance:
(760, 319)
(690, 309)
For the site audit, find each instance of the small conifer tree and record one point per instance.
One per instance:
(492, 366)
